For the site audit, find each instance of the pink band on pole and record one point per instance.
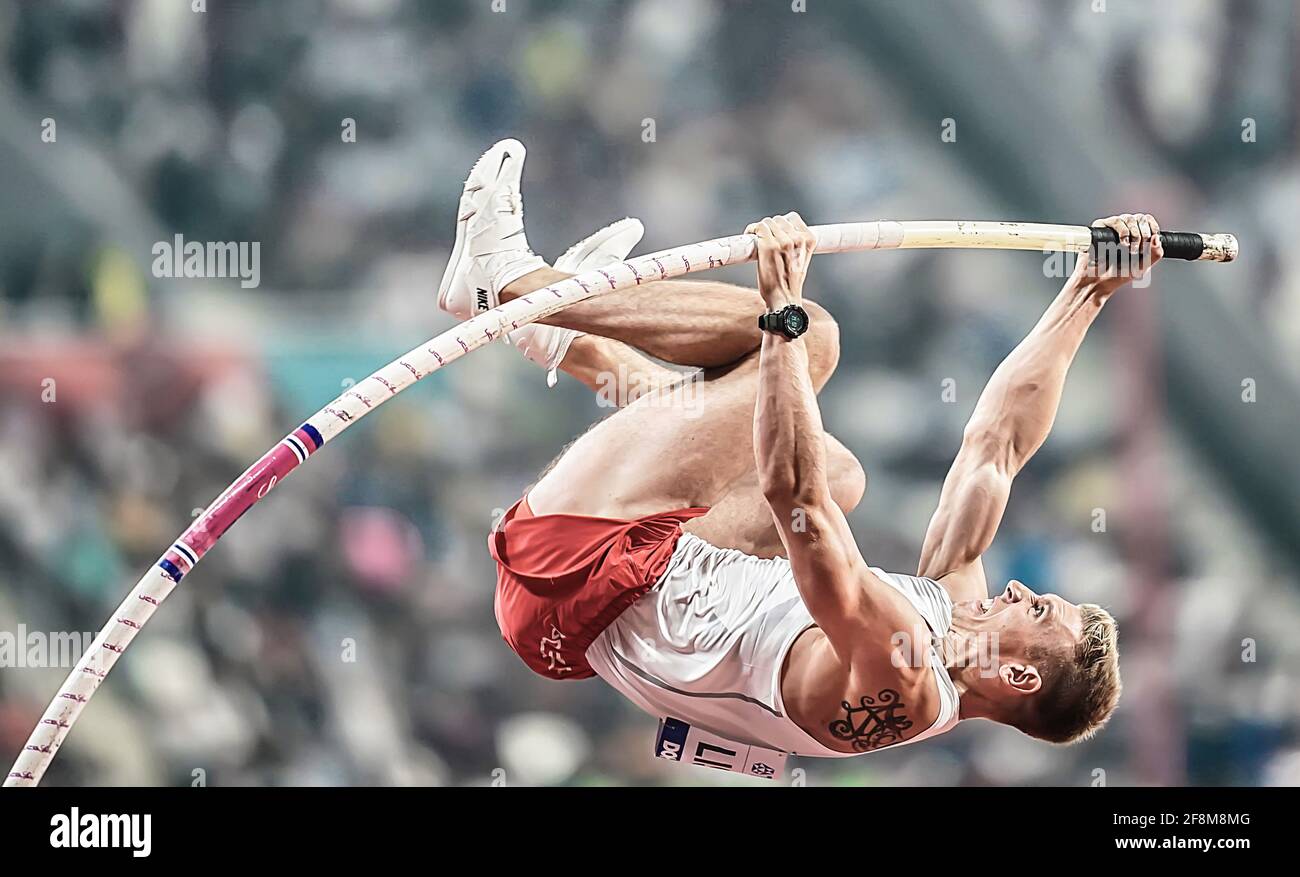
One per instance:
(256, 482)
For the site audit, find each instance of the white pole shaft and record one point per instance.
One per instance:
(359, 400)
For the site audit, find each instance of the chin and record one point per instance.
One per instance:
(974, 612)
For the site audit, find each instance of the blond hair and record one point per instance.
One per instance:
(1080, 688)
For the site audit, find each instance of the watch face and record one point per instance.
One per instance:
(796, 321)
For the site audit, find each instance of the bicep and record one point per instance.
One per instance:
(971, 506)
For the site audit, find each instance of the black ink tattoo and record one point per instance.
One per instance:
(877, 721)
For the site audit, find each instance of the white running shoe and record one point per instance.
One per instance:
(547, 345)
(491, 249)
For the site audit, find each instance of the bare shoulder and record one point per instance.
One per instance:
(885, 704)
(883, 698)
(890, 682)
(873, 687)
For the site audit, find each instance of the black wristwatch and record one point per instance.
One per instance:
(791, 321)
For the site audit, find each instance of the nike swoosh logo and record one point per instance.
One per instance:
(505, 156)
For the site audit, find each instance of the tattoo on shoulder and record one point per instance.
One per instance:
(875, 722)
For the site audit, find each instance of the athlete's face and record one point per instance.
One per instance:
(1017, 625)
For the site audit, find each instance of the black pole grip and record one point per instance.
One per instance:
(1178, 244)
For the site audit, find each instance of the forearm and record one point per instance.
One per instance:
(688, 322)
(1018, 406)
(789, 442)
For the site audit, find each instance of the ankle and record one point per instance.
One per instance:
(588, 353)
(532, 281)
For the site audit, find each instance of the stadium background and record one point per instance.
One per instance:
(343, 633)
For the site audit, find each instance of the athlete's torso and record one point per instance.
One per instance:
(709, 642)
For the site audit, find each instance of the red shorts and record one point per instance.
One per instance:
(562, 579)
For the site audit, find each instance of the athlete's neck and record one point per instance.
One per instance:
(967, 665)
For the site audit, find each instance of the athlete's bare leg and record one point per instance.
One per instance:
(741, 518)
(686, 322)
(688, 445)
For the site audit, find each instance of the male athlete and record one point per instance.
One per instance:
(692, 549)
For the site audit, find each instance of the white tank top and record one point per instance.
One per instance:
(706, 645)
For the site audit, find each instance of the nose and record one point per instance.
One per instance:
(1014, 593)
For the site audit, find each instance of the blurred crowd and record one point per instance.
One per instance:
(343, 632)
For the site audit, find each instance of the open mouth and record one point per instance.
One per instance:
(983, 607)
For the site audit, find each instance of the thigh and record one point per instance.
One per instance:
(742, 519)
(681, 447)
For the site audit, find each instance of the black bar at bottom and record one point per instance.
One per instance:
(540, 827)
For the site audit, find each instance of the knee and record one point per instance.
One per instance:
(847, 478)
(823, 340)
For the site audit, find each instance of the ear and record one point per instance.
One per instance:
(1020, 678)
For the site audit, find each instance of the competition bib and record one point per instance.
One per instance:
(685, 744)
